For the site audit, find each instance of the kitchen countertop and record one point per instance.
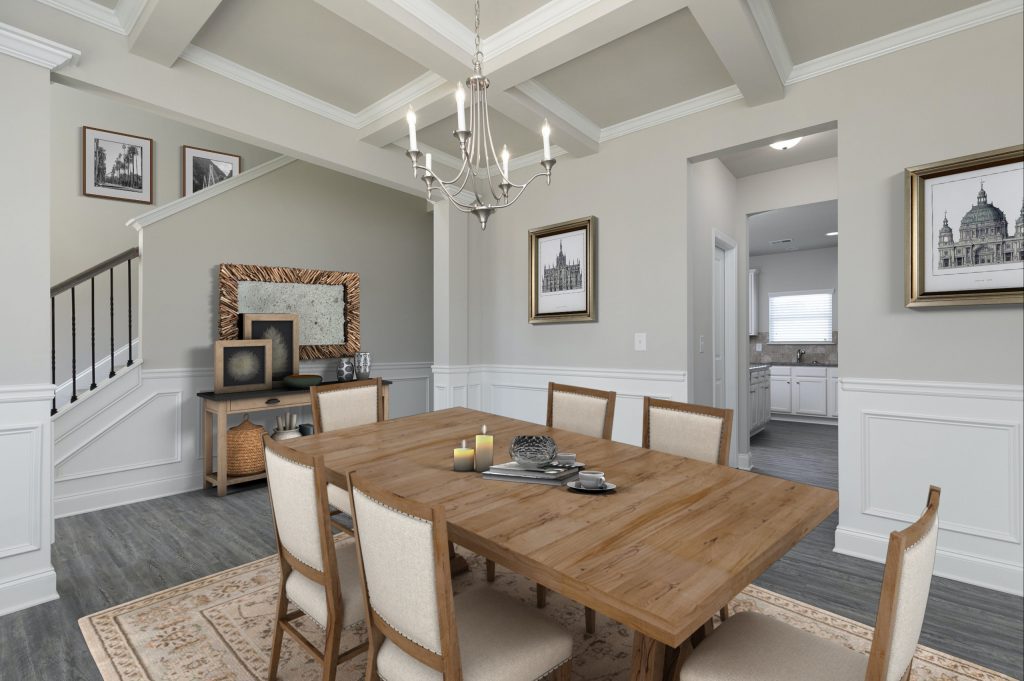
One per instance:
(794, 364)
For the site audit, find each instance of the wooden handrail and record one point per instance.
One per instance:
(88, 274)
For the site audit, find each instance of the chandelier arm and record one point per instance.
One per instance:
(463, 207)
(522, 188)
(490, 141)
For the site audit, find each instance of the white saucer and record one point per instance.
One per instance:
(577, 486)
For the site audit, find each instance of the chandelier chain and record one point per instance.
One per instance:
(478, 58)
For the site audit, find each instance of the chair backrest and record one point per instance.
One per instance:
(403, 552)
(581, 410)
(690, 430)
(905, 586)
(298, 500)
(345, 405)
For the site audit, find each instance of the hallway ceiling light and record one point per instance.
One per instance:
(782, 145)
(484, 174)
(831, 233)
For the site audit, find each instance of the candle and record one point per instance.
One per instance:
(429, 161)
(484, 451)
(460, 106)
(504, 168)
(411, 118)
(546, 132)
(463, 458)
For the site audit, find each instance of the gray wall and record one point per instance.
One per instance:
(86, 230)
(298, 216)
(637, 186)
(797, 271)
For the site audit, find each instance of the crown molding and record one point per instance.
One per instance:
(977, 15)
(558, 107)
(93, 12)
(128, 13)
(35, 49)
(400, 98)
(450, 28)
(168, 209)
(671, 113)
(764, 17)
(541, 19)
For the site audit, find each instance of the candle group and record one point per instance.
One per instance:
(463, 458)
(484, 451)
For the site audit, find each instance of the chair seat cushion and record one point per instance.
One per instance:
(339, 499)
(311, 598)
(753, 647)
(500, 639)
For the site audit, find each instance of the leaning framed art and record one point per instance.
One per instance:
(282, 330)
(965, 230)
(117, 166)
(241, 365)
(563, 260)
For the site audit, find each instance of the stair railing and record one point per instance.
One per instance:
(90, 275)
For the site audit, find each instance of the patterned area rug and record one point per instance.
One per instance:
(219, 629)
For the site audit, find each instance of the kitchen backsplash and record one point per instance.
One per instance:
(823, 354)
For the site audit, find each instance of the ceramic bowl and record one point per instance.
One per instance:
(532, 450)
(297, 381)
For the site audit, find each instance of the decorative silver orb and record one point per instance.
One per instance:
(532, 450)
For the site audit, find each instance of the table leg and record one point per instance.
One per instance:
(222, 450)
(459, 564)
(649, 657)
(385, 396)
(207, 427)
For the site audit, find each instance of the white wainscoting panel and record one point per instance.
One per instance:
(26, 574)
(521, 391)
(898, 437)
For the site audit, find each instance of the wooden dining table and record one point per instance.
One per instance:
(673, 544)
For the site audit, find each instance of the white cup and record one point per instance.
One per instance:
(592, 479)
(566, 458)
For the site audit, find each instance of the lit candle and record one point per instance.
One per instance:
(463, 458)
(546, 133)
(411, 118)
(504, 169)
(429, 161)
(460, 106)
(484, 451)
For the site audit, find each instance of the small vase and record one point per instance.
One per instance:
(362, 365)
(286, 434)
(346, 369)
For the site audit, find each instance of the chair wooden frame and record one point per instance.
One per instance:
(724, 414)
(317, 390)
(449, 661)
(329, 579)
(607, 395)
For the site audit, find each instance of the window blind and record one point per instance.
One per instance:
(800, 317)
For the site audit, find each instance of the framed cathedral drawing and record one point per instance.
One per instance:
(563, 260)
(965, 230)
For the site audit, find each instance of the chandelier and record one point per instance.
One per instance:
(482, 185)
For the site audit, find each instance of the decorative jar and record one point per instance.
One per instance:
(362, 365)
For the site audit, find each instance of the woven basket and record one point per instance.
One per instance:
(245, 449)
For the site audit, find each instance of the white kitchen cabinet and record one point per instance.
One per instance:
(833, 392)
(752, 301)
(758, 399)
(804, 391)
(809, 393)
(781, 391)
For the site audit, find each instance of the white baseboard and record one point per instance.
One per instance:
(798, 418)
(743, 461)
(28, 590)
(129, 493)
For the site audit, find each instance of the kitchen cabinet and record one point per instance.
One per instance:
(804, 391)
(781, 392)
(759, 399)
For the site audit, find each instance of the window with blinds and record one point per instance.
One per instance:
(800, 317)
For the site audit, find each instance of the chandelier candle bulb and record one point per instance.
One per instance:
(504, 160)
(460, 106)
(428, 161)
(463, 458)
(546, 133)
(411, 118)
(484, 451)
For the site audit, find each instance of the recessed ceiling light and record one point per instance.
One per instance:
(782, 145)
(832, 234)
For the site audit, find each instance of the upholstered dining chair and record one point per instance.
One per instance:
(582, 410)
(417, 630)
(319, 576)
(757, 647)
(345, 405)
(690, 430)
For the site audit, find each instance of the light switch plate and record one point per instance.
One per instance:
(640, 342)
(700, 345)
(758, 347)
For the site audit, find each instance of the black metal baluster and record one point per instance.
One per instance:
(129, 263)
(74, 351)
(53, 352)
(92, 328)
(112, 372)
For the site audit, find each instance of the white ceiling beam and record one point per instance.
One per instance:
(768, 25)
(167, 27)
(733, 33)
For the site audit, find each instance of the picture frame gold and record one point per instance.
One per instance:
(249, 319)
(222, 351)
(915, 242)
(587, 312)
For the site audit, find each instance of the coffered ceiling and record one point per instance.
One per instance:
(595, 69)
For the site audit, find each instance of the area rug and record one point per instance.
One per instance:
(219, 628)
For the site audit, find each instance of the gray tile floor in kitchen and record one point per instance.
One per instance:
(112, 556)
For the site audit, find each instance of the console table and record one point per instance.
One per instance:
(217, 408)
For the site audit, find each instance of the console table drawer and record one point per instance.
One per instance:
(300, 398)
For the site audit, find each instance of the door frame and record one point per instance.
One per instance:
(730, 297)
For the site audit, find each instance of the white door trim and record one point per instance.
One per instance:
(730, 249)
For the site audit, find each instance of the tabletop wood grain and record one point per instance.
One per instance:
(675, 542)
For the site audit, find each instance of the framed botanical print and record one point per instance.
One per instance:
(965, 230)
(241, 365)
(202, 168)
(563, 261)
(282, 330)
(117, 166)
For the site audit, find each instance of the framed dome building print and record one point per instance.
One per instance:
(965, 230)
(562, 261)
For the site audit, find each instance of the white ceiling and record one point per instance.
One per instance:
(807, 226)
(763, 159)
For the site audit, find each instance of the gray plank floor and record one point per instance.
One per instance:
(112, 556)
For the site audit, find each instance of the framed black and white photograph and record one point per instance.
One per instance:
(282, 330)
(241, 365)
(562, 276)
(117, 166)
(965, 230)
(202, 168)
